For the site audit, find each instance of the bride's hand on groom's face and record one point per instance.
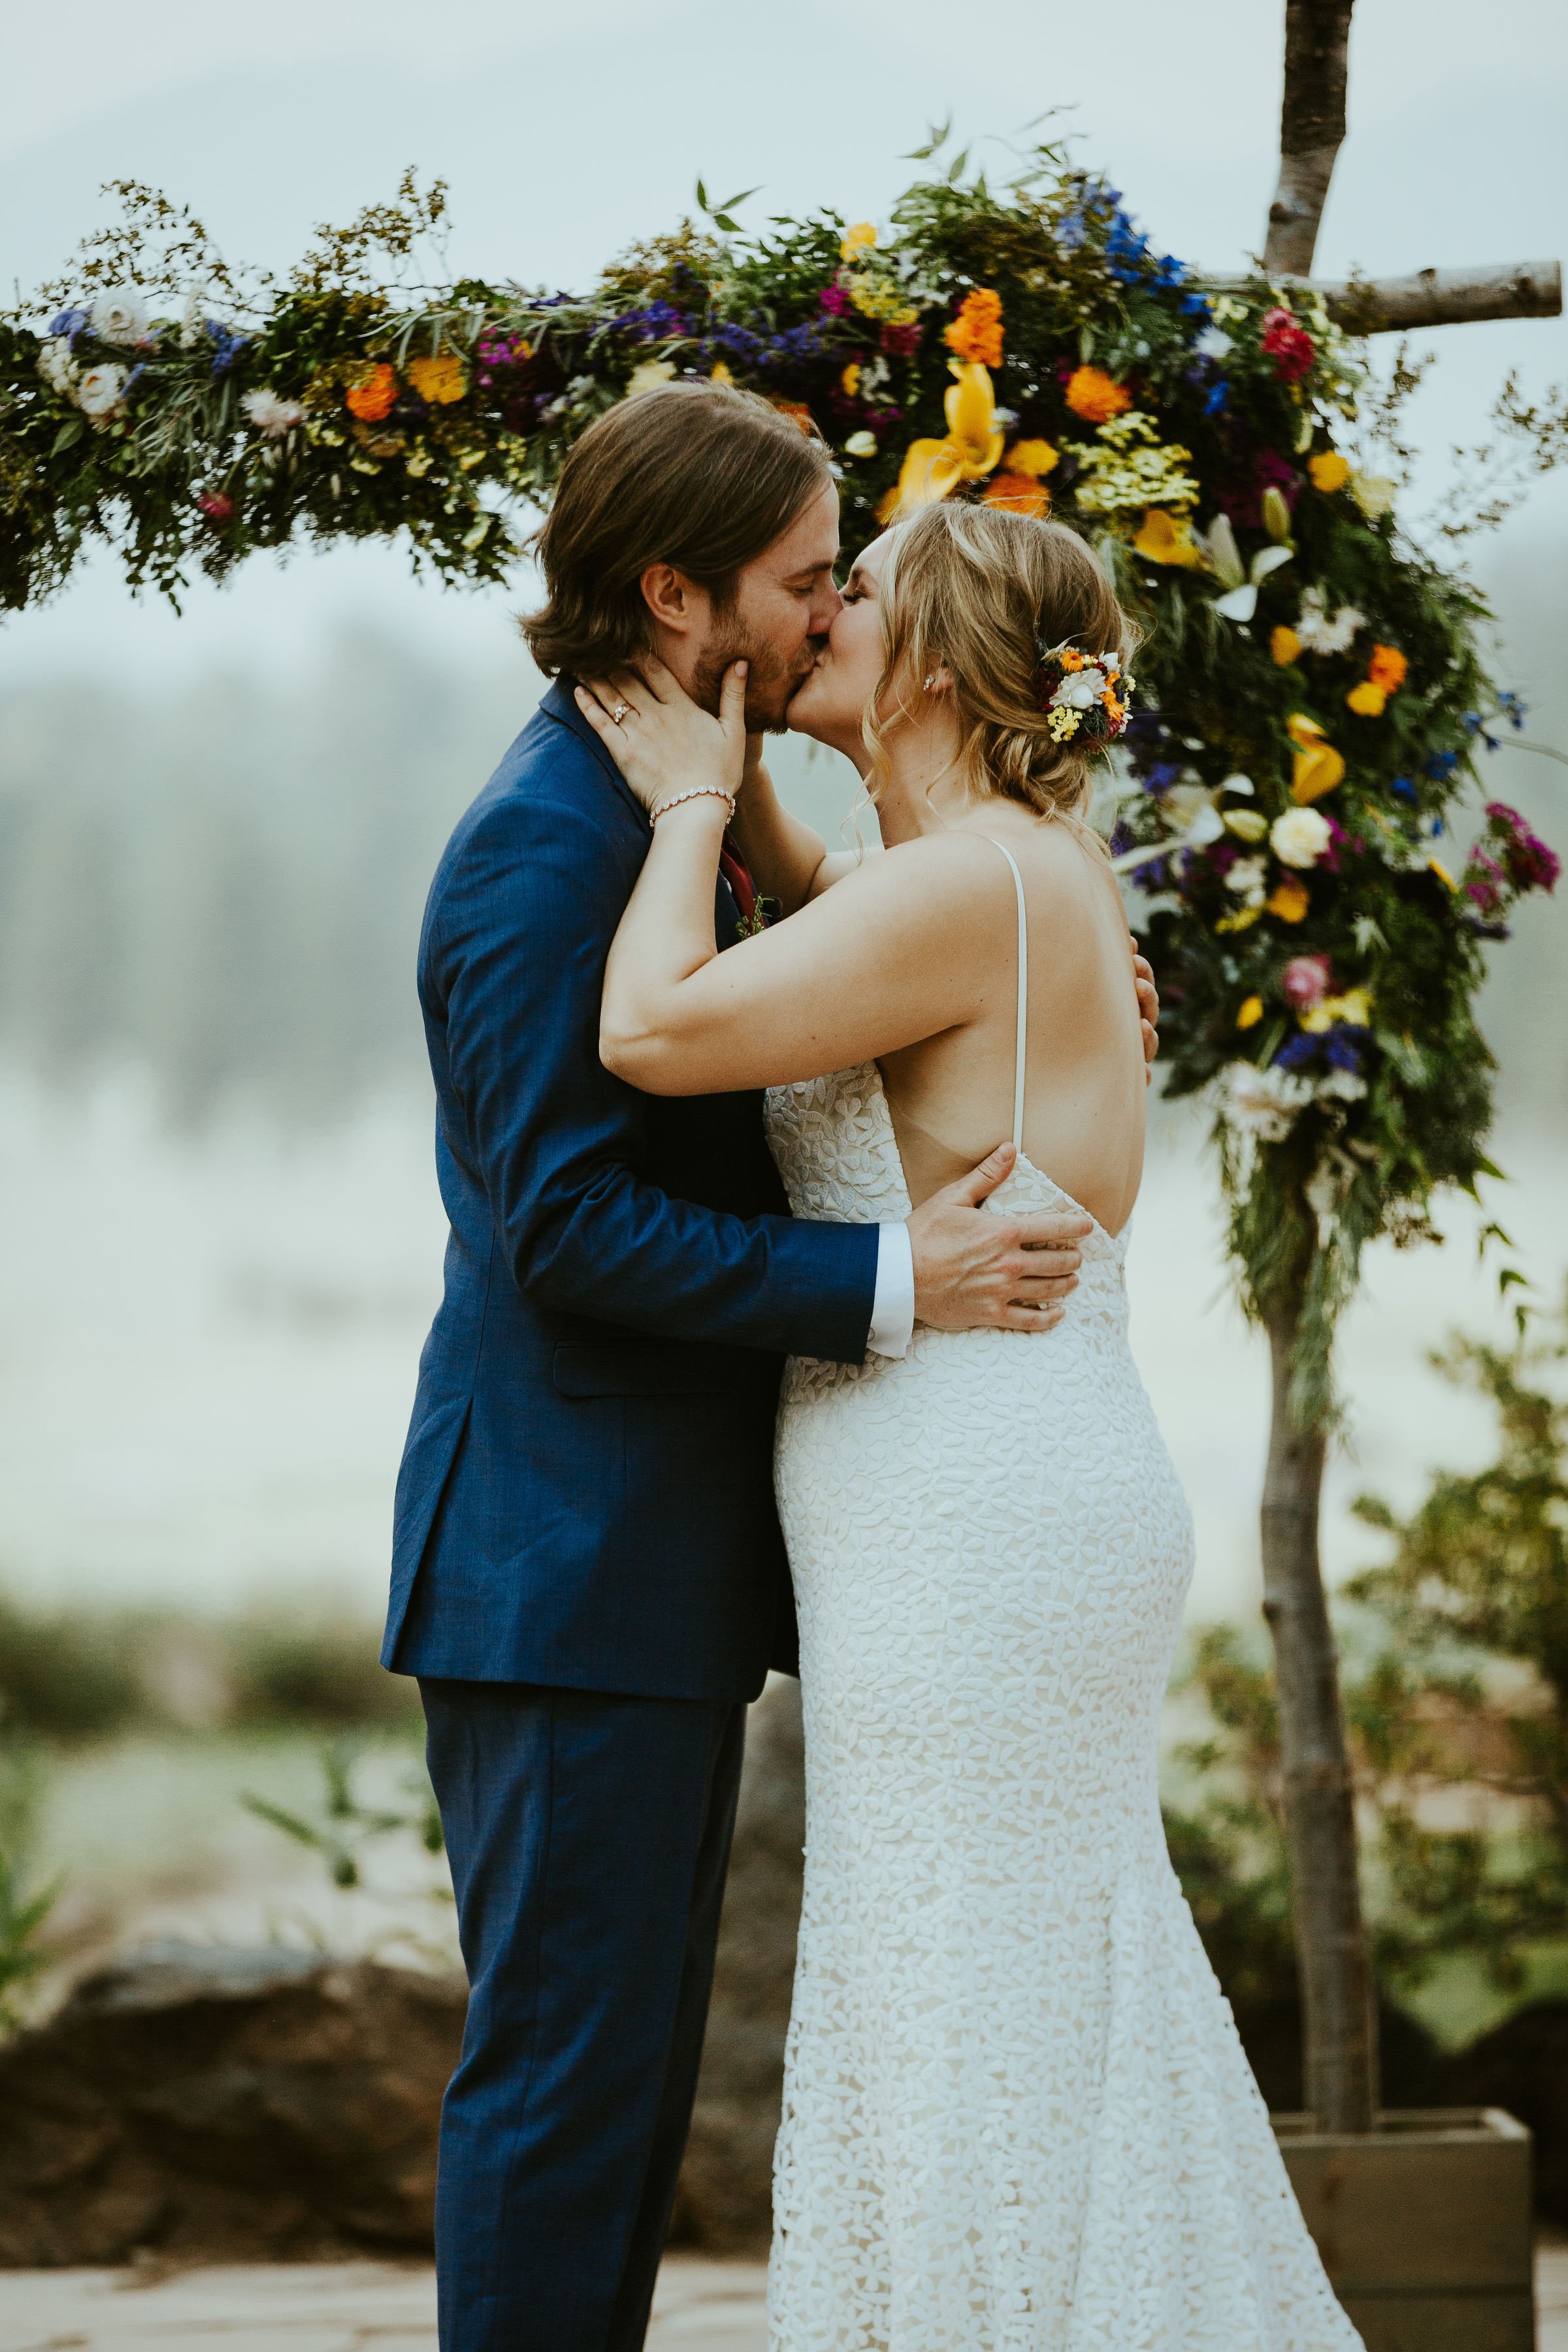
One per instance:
(662, 742)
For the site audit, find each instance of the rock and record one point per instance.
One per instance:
(238, 2105)
(279, 2106)
(723, 2204)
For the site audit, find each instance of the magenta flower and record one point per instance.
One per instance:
(1306, 980)
(216, 506)
(835, 301)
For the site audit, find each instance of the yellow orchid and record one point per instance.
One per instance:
(973, 446)
(1354, 1006)
(1167, 538)
(1318, 766)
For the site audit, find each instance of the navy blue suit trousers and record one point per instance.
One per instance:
(589, 1835)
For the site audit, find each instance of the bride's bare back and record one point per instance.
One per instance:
(952, 1096)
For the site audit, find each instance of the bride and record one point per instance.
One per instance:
(1016, 2115)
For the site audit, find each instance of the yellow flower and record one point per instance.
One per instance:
(973, 446)
(1291, 900)
(1328, 470)
(1251, 1013)
(1093, 394)
(861, 235)
(439, 381)
(1354, 1006)
(1285, 645)
(1366, 699)
(1167, 538)
(1242, 920)
(1318, 766)
(1036, 457)
(1442, 873)
(849, 382)
(975, 334)
(720, 373)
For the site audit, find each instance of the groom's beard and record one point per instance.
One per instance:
(771, 682)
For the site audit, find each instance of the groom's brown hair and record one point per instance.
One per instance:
(700, 476)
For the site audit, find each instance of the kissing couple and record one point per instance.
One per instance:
(784, 1285)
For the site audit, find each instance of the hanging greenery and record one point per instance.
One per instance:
(1311, 698)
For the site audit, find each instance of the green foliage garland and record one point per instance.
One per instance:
(1310, 693)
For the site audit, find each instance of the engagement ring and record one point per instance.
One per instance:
(619, 713)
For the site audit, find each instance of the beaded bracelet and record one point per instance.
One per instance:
(697, 792)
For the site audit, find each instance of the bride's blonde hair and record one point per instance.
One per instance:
(980, 593)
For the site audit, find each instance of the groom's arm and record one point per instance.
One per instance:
(515, 963)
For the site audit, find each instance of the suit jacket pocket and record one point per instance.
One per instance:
(666, 1368)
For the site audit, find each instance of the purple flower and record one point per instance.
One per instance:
(1441, 764)
(1528, 862)
(1218, 394)
(835, 301)
(1342, 1045)
(70, 323)
(226, 346)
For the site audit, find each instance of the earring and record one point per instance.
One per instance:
(929, 683)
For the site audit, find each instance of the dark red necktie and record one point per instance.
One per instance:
(738, 875)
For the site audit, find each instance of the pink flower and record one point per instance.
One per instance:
(1306, 980)
(901, 342)
(1287, 345)
(215, 506)
(833, 301)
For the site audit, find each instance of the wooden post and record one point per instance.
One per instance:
(1339, 2010)
(1311, 126)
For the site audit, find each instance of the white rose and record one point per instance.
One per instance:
(1264, 1103)
(1246, 878)
(1081, 689)
(271, 416)
(1299, 837)
(100, 391)
(58, 367)
(118, 318)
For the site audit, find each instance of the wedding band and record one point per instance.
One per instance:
(619, 712)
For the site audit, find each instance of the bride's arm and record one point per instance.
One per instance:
(862, 969)
(788, 860)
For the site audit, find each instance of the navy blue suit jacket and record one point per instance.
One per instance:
(585, 1496)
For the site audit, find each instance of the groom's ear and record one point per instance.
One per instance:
(674, 601)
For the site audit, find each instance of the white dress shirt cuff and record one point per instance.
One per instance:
(893, 1305)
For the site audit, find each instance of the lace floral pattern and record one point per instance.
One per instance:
(1017, 2117)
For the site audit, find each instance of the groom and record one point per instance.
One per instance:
(589, 1577)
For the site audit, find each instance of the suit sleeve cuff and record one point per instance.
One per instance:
(893, 1304)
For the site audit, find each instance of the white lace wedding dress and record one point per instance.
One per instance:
(1017, 2117)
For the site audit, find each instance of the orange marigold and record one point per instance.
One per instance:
(975, 335)
(1387, 668)
(1019, 493)
(1093, 394)
(371, 399)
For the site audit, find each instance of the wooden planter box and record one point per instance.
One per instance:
(1424, 2227)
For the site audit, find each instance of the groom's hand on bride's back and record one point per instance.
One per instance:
(974, 1267)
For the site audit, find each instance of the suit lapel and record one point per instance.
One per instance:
(558, 705)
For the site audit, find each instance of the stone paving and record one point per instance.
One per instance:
(391, 2307)
(325, 2307)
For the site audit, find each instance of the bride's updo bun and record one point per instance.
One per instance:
(980, 593)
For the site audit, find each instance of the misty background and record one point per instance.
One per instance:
(222, 1235)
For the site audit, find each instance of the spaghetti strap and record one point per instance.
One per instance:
(1021, 1045)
